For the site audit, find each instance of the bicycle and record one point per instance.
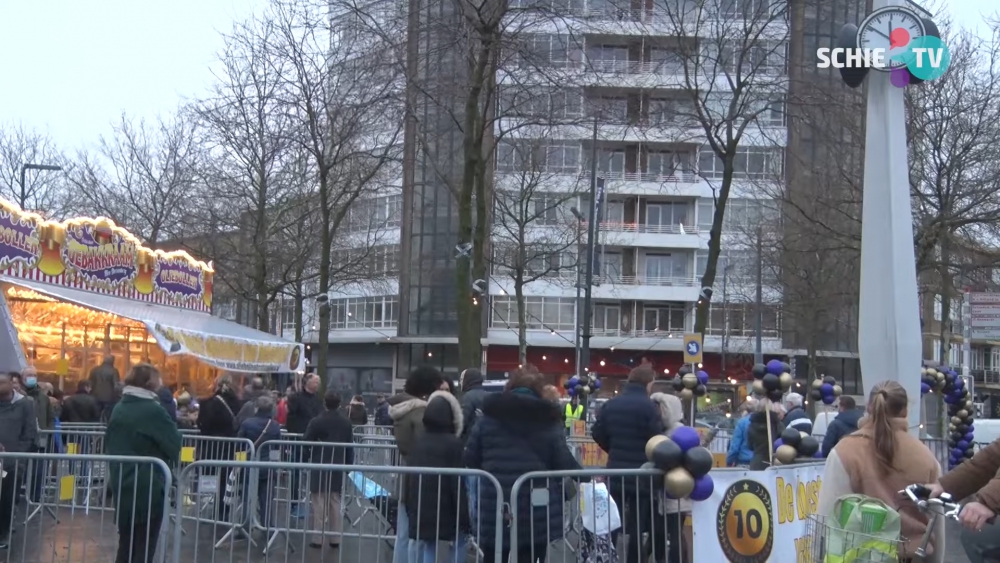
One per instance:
(943, 506)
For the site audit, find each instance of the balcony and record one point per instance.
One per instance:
(608, 226)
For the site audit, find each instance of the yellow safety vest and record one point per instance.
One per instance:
(573, 415)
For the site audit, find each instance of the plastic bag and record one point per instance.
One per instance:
(599, 511)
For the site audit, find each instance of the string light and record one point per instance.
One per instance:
(430, 354)
(602, 363)
(566, 361)
(544, 358)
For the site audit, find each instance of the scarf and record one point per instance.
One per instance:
(140, 393)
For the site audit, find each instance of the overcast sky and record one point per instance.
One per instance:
(71, 67)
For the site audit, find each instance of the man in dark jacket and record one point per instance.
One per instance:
(845, 423)
(261, 428)
(81, 407)
(795, 415)
(302, 408)
(325, 488)
(622, 429)
(473, 396)
(18, 432)
(104, 382)
(382, 417)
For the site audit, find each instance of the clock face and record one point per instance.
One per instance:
(891, 29)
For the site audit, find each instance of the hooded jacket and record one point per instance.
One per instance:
(104, 381)
(758, 438)
(845, 423)
(407, 413)
(519, 432)
(357, 412)
(473, 396)
(438, 505)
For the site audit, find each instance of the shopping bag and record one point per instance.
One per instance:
(599, 511)
(862, 528)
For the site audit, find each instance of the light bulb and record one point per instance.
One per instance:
(544, 358)
(602, 363)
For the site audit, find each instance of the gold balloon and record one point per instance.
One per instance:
(690, 381)
(686, 394)
(955, 420)
(803, 434)
(786, 454)
(923, 371)
(938, 376)
(837, 390)
(963, 414)
(786, 380)
(817, 383)
(651, 445)
(758, 388)
(678, 483)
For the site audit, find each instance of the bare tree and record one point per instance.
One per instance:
(341, 99)
(45, 191)
(535, 234)
(256, 201)
(143, 176)
(735, 78)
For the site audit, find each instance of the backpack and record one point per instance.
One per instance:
(862, 529)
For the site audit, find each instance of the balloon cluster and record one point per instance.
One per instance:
(584, 385)
(795, 444)
(934, 379)
(684, 461)
(825, 389)
(961, 433)
(690, 384)
(772, 380)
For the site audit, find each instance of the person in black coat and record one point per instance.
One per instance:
(302, 408)
(261, 428)
(167, 402)
(216, 419)
(438, 504)
(622, 429)
(519, 432)
(81, 407)
(326, 487)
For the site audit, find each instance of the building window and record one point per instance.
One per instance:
(745, 214)
(739, 320)
(550, 51)
(606, 319)
(384, 212)
(659, 215)
(757, 163)
(662, 165)
(774, 114)
(560, 103)
(534, 156)
(542, 313)
(665, 269)
(669, 319)
(360, 313)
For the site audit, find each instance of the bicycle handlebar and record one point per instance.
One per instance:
(943, 505)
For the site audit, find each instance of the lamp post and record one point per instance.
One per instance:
(25, 168)
(580, 222)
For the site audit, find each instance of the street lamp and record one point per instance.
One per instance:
(25, 168)
(581, 221)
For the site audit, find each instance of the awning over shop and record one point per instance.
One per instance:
(217, 342)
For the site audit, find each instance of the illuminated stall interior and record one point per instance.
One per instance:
(64, 341)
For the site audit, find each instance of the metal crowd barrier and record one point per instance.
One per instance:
(121, 518)
(349, 515)
(373, 430)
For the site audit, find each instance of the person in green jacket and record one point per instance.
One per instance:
(139, 426)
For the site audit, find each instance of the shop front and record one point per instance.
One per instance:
(76, 291)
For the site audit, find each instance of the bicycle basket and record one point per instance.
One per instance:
(829, 543)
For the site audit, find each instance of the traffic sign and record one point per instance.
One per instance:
(692, 348)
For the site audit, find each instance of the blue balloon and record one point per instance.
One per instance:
(703, 488)
(924, 389)
(957, 453)
(818, 454)
(571, 391)
(962, 445)
(702, 377)
(776, 367)
(828, 399)
(826, 389)
(686, 437)
(970, 429)
(778, 443)
(597, 383)
(968, 437)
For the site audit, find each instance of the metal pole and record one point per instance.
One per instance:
(23, 195)
(25, 167)
(591, 236)
(967, 336)
(758, 356)
(579, 288)
(725, 315)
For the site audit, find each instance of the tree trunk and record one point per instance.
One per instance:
(325, 243)
(944, 280)
(522, 319)
(703, 305)
(299, 309)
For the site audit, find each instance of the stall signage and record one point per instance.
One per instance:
(97, 255)
(18, 239)
(178, 276)
(102, 256)
(230, 353)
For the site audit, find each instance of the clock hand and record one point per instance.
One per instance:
(882, 34)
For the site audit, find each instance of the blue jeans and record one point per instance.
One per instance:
(422, 551)
(472, 484)
(401, 550)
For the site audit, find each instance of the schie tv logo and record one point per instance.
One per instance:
(891, 39)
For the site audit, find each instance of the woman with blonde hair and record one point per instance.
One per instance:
(881, 459)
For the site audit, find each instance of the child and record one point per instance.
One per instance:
(440, 509)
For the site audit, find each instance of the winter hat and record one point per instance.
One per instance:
(443, 414)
